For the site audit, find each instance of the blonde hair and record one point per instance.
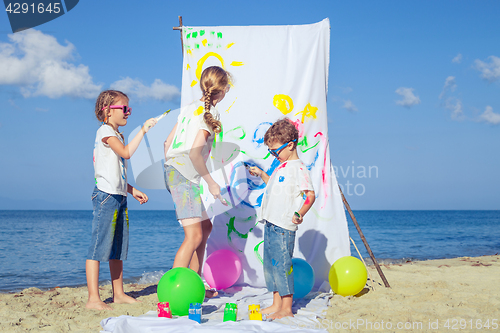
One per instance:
(282, 131)
(104, 100)
(213, 80)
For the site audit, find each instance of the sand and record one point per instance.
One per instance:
(436, 295)
(461, 294)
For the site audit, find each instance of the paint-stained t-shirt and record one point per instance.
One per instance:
(110, 169)
(284, 194)
(189, 122)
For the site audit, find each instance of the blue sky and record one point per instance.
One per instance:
(413, 95)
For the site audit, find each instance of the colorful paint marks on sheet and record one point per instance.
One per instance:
(231, 229)
(256, 252)
(206, 41)
(283, 103)
(308, 112)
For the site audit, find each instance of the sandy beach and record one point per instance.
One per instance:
(435, 295)
(461, 294)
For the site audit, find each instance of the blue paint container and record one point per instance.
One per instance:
(195, 312)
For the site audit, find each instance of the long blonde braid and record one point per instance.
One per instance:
(213, 123)
(213, 80)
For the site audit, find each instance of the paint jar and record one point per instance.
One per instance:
(230, 312)
(254, 312)
(195, 312)
(163, 310)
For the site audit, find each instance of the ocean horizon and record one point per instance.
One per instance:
(47, 248)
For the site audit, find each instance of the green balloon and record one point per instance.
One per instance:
(179, 287)
(347, 276)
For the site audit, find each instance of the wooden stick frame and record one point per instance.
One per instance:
(377, 266)
(346, 204)
(180, 29)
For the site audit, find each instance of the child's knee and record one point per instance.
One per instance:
(194, 238)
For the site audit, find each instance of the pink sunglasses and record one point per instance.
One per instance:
(124, 108)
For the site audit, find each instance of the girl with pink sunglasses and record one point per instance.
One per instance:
(109, 240)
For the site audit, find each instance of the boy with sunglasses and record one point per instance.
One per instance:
(289, 195)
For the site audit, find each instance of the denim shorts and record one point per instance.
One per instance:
(109, 227)
(185, 194)
(278, 251)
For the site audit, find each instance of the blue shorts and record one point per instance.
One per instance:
(185, 194)
(109, 227)
(278, 251)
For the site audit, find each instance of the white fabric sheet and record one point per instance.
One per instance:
(310, 316)
(278, 71)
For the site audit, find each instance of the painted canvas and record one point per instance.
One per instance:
(278, 71)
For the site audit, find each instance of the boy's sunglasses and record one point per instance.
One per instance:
(124, 108)
(277, 151)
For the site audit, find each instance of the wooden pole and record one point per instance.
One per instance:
(379, 270)
(180, 29)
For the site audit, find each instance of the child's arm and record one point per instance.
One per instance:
(138, 195)
(199, 163)
(259, 172)
(169, 140)
(127, 151)
(310, 198)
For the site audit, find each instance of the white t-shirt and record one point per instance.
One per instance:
(189, 122)
(284, 194)
(110, 170)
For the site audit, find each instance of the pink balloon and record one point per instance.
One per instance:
(222, 269)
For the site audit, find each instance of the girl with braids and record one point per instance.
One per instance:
(186, 151)
(110, 224)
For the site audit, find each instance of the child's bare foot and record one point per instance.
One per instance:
(209, 293)
(270, 309)
(280, 314)
(125, 299)
(97, 305)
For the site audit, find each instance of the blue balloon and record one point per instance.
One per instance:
(303, 277)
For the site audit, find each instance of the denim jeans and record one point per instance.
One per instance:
(278, 252)
(109, 227)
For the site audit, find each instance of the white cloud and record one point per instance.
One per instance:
(41, 66)
(343, 91)
(449, 85)
(457, 59)
(158, 89)
(452, 103)
(455, 106)
(489, 71)
(349, 106)
(490, 117)
(409, 99)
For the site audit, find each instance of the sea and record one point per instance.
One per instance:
(46, 249)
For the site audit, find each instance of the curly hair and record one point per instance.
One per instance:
(282, 131)
(213, 80)
(104, 100)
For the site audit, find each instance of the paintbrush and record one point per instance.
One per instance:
(163, 115)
